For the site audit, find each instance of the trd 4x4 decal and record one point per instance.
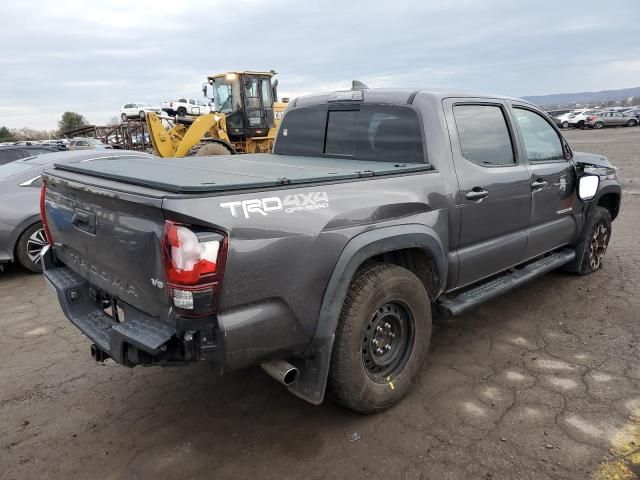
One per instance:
(297, 202)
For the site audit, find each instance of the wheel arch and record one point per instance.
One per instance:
(409, 246)
(609, 197)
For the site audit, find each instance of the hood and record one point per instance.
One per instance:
(591, 159)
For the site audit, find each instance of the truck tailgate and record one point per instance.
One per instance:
(112, 239)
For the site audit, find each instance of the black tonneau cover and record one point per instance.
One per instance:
(230, 172)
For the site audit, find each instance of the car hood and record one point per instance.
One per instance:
(591, 159)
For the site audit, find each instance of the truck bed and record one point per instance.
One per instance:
(230, 172)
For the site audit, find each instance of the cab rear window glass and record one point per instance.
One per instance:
(484, 136)
(388, 133)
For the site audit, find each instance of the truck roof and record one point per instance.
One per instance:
(221, 173)
(400, 95)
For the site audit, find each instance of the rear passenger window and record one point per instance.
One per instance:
(484, 136)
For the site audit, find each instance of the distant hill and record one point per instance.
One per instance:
(584, 97)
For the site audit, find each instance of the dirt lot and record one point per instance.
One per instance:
(541, 383)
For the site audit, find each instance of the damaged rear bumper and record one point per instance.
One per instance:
(140, 339)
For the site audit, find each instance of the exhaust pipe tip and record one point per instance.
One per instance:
(282, 371)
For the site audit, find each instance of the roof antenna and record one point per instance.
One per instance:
(358, 85)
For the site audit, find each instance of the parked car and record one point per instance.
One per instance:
(322, 261)
(578, 119)
(634, 112)
(9, 153)
(564, 118)
(610, 119)
(136, 110)
(86, 143)
(185, 106)
(21, 232)
(555, 116)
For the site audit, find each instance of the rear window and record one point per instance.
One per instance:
(388, 133)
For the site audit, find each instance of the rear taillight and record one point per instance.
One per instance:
(194, 265)
(43, 214)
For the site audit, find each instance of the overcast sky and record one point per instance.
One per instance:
(91, 57)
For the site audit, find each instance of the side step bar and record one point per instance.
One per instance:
(458, 303)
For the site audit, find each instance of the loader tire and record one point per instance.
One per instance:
(381, 340)
(206, 149)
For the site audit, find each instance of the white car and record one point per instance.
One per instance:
(136, 110)
(563, 120)
(578, 119)
(185, 106)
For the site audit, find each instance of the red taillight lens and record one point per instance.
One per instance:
(194, 264)
(591, 118)
(43, 214)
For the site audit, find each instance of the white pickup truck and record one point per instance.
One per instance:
(185, 106)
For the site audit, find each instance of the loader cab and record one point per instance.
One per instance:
(246, 99)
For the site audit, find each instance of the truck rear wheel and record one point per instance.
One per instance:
(382, 338)
(205, 149)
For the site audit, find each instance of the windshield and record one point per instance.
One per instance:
(225, 94)
(9, 169)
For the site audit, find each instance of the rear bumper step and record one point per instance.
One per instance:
(458, 303)
(144, 333)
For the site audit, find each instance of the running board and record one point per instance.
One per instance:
(458, 303)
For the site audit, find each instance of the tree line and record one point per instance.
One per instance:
(68, 121)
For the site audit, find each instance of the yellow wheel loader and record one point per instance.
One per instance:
(245, 119)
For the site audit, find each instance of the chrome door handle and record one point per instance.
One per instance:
(538, 183)
(477, 194)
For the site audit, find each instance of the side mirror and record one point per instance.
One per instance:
(588, 187)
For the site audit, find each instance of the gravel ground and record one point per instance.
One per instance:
(542, 383)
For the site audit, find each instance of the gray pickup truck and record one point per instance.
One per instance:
(323, 261)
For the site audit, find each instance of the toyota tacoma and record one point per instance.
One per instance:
(323, 261)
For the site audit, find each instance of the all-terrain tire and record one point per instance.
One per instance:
(181, 112)
(205, 149)
(28, 246)
(378, 293)
(594, 240)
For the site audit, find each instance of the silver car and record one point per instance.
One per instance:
(610, 119)
(21, 233)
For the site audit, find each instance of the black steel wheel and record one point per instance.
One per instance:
(387, 341)
(29, 247)
(381, 340)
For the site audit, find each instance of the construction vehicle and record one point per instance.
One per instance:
(245, 119)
